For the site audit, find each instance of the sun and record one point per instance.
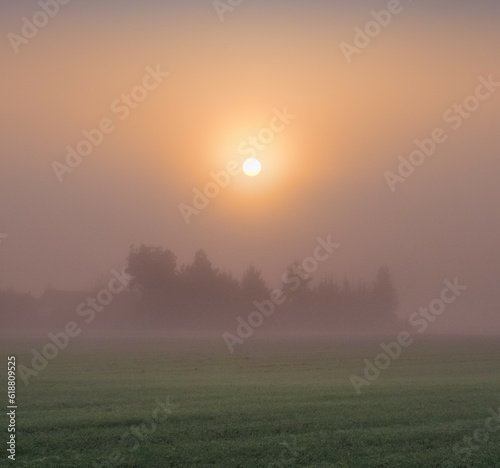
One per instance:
(252, 167)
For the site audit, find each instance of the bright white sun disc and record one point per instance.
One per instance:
(252, 167)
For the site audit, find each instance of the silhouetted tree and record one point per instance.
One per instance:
(154, 274)
(299, 305)
(253, 286)
(200, 277)
(296, 281)
(151, 268)
(209, 294)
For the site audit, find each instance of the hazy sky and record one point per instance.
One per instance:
(323, 174)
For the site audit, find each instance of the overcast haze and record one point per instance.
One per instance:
(322, 175)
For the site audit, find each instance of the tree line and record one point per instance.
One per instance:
(163, 294)
(199, 295)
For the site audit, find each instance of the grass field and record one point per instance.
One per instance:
(277, 402)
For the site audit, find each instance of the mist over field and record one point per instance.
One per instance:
(250, 233)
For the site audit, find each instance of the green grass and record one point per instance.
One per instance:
(238, 410)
